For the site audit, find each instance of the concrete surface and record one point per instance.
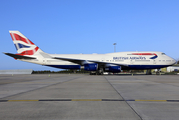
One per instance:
(19, 71)
(84, 97)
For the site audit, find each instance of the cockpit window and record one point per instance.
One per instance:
(163, 53)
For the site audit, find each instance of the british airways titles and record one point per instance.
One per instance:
(129, 58)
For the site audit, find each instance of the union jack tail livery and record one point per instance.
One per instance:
(26, 50)
(23, 45)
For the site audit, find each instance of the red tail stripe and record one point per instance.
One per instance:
(29, 52)
(20, 38)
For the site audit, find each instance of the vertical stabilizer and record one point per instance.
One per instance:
(23, 45)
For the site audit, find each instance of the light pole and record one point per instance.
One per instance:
(114, 47)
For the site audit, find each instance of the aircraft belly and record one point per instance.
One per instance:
(65, 66)
(142, 67)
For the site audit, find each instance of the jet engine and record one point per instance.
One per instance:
(114, 69)
(91, 66)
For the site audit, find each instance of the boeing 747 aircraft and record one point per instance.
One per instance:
(112, 62)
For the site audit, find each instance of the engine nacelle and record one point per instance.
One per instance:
(114, 69)
(91, 67)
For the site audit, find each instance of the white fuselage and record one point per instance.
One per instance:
(131, 59)
(113, 62)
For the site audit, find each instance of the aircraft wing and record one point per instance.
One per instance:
(77, 61)
(81, 61)
(18, 56)
(103, 63)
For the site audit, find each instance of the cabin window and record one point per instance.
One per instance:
(119, 60)
(163, 53)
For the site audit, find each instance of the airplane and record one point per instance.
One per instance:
(95, 63)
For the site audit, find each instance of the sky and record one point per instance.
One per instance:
(89, 26)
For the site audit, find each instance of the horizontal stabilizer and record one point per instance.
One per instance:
(18, 56)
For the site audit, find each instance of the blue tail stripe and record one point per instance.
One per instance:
(23, 46)
(154, 57)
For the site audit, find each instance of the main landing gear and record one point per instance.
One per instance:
(99, 72)
(158, 72)
(148, 72)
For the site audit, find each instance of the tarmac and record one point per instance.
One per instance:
(85, 97)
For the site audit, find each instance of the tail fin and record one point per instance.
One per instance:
(23, 45)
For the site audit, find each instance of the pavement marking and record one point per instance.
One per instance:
(55, 100)
(89, 100)
(86, 100)
(153, 100)
(3, 100)
(21, 100)
(172, 100)
(112, 100)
